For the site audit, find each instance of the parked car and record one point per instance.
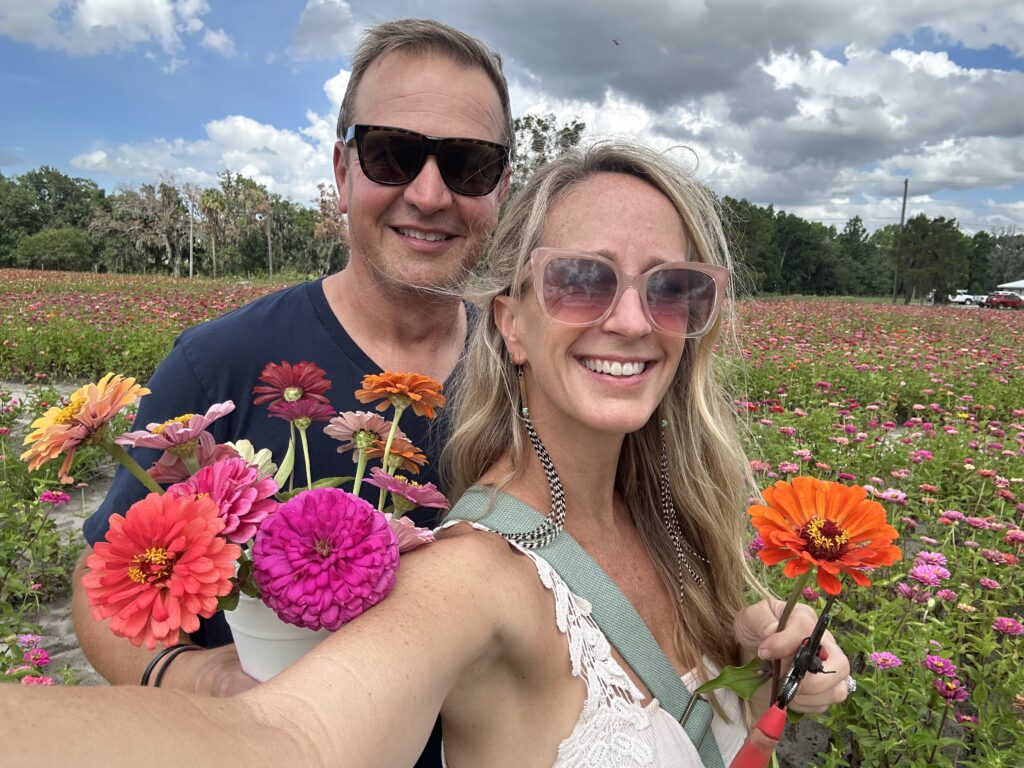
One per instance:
(1004, 300)
(967, 299)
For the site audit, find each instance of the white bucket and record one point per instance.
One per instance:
(266, 645)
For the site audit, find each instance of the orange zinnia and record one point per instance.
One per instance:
(412, 458)
(402, 390)
(810, 522)
(81, 421)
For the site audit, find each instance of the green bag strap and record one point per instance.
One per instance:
(611, 610)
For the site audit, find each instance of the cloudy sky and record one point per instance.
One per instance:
(820, 107)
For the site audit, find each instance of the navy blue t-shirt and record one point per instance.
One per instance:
(222, 360)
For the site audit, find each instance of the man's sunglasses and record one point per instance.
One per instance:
(396, 156)
(680, 298)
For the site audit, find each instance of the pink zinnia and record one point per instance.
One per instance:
(409, 535)
(940, 665)
(400, 487)
(930, 558)
(1008, 626)
(951, 689)
(345, 427)
(301, 410)
(323, 558)
(36, 680)
(56, 498)
(930, 575)
(37, 657)
(180, 433)
(242, 496)
(885, 660)
(172, 469)
(989, 583)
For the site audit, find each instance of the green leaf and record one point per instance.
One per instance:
(285, 470)
(744, 681)
(228, 602)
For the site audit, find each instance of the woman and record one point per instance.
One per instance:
(588, 397)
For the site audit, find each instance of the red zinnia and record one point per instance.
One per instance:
(810, 522)
(289, 383)
(162, 566)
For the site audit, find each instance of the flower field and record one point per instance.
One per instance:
(921, 406)
(75, 325)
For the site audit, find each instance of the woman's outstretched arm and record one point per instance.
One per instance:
(367, 696)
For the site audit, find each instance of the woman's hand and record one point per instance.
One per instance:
(756, 628)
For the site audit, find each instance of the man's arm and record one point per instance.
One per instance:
(212, 671)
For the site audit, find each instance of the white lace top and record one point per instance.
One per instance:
(616, 728)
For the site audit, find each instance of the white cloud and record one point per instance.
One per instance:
(290, 163)
(327, 30)
(93, 27)
(219, 41)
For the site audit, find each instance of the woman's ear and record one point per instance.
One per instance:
(506, 317)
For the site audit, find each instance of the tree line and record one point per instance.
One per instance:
(49, 220)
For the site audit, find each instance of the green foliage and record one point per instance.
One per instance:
(65, 248)
(540, 139)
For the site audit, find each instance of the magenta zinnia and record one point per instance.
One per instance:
(323, 558)
(243, 498)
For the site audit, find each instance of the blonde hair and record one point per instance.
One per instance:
(709, 474)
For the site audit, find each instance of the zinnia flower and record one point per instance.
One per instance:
(323, 558)
(409, 535)
(242, 496)
(940, 665)
(885, 660)
(303, 412)
(814, 523)
(1007, 626)
(171, 468)
(347, 426)
(951, 689)
(37, 657)
(402, 390)
(180, 433)
(290, 383)
(162, 566)
(56, 498)
(404, 455)
(929, 575)
(402, 488)
(80, 422)
(36, 680)
(28, 641)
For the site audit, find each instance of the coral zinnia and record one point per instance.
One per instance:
(323, 558)
(289, 383)
(241, 495)
(402, 390)
(408, 494)
(162, 566)
(810, 522)
(80, 422)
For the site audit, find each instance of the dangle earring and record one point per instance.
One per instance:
(553, 524)
(671, 519)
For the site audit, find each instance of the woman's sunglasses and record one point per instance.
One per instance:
(681, 298)
(396, 156)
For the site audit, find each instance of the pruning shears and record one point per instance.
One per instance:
(764, 736)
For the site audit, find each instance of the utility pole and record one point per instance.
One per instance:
(903, 217)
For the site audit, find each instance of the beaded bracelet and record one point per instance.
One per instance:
(169, 654)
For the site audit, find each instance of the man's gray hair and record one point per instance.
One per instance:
(424, 36)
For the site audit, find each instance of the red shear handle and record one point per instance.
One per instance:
(764, 737)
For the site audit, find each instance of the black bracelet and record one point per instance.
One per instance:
(175, 652)
(163, 652)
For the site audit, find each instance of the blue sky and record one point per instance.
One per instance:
(804, 104)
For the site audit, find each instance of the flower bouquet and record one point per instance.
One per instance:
(231, 530)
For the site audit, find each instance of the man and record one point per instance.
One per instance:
(419, 211)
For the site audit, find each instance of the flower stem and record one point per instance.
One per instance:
(794, 594)
(399, 409)
(191, 463)
(291, 442)
(360, 471)
(305, 457)
(121, 456)
(938, 734)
